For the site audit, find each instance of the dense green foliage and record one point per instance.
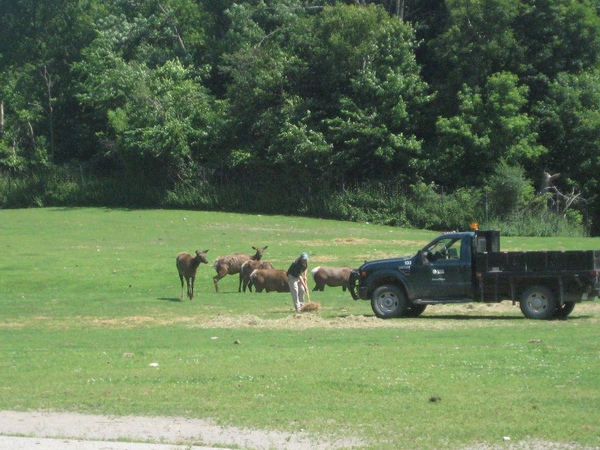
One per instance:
(216, 104)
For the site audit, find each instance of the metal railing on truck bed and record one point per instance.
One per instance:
(538, 261)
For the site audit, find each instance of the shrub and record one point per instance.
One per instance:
(509, 191)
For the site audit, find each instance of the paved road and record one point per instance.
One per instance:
(32, 443)
(42, 430)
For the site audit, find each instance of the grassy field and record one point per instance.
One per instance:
(90, 321)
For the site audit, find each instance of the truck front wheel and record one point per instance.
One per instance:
(388, 302)
(538, 302)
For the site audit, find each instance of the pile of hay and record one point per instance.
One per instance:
(311, 306)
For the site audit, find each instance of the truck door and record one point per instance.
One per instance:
(444, 272)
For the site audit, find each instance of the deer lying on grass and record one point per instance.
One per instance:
(187, 265)
(247, 269)
(232, 264)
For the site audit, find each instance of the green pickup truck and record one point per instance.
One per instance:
(464, 267)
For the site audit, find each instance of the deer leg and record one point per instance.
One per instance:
(247, 284)
(240, 285)
(192, 291)
(220, 274)
(187, 284)
(181, 279)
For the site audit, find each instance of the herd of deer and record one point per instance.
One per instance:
(254, 272)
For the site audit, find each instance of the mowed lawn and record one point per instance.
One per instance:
(91, 321)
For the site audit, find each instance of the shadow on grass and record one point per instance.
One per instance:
(469, 317)
(490, 317)
(465, 317)
(437, 316)
(197, 296)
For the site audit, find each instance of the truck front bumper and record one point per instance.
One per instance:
(356, 291)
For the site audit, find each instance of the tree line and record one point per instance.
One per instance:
(412, 112)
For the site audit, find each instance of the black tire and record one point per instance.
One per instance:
(414, 310)
(388, 302)
(538, 302)
(563, 311)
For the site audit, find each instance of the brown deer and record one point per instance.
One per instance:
(187, 265)
(270, 280)
(331, 276)
(248, 267)
(232, 264)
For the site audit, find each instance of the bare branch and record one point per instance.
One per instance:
(555, 198)
(48, 80)
(174, 25)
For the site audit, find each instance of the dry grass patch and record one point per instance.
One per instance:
(124, 321)
(316, 315)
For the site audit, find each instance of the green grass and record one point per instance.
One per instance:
(89, 298)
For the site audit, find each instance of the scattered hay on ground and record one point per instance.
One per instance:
(438, 317)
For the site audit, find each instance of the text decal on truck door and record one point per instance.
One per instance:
(437, 274)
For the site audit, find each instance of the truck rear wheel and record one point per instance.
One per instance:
(388, 302)
(538, 302)
(564, 310)
(413, 310)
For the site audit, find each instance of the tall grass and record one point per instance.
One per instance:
(89, 298)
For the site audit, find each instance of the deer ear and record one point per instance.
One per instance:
(265, 247)
(205, 251)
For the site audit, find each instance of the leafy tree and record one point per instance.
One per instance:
(334, 94)
(490, 128)
(477, 40)
(557, 36)
(376, 98)
(163, 127)
(21, 147)
(570, 124)
(261, 87)
(38, 41)
(570, 128)
(534, 39)
(153, 113)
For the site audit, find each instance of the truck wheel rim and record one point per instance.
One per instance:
(387, 301)
(537, 302)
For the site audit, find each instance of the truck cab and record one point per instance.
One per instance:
(440, 272)
(443, 266)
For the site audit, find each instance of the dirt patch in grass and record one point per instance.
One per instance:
(438, 317)
(124, 321)
(435, 317)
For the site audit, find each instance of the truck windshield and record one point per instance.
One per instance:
(444, 248)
